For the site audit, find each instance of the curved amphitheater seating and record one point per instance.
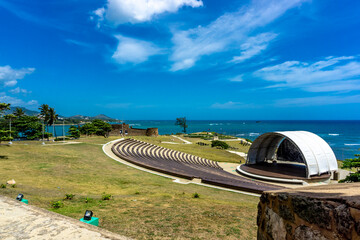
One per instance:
(184, 165)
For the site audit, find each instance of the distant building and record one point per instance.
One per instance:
(126, 130)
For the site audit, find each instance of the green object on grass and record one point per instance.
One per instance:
(25, 201)
(93, 221)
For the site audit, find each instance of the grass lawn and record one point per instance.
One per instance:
(143, 206)
(201, 151)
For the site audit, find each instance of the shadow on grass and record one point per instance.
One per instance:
(3, 157)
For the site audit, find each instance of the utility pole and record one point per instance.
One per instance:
(43, 133)
(63, 130)
(10, 132)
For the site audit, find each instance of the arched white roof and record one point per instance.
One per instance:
(317, 154)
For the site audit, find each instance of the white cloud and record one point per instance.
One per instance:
(10, 76)
(330, 74)
(238, 78)
(17, 102)
(78, 43)
(318, 101)
(227, 105)
(117, 105)
(233, 105)
(229, 31)
(254, 46)
(19, 90)
(135, 11)
(130, 50)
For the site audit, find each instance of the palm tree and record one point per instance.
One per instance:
(44, 114)
(19, 112)
(52, 119)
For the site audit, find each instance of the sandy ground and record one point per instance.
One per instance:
(21, 221)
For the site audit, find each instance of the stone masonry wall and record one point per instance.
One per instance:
(321, 212)
(130, 131)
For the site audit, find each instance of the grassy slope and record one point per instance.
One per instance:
(144, 206)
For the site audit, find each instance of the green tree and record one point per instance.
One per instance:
(352, 163)
(44, 114)
(74, 132)
(4, 107)
(182, 123)
(102, 128)
(97, 127)
(52, 119)
(221, 144)
(18, 112)
(88, 129)
(5, 135)
(29, 127)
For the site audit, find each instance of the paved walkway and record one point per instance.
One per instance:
(241, 154)
(21, 221)
(185, 141)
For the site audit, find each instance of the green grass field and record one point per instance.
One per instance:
(143, 206)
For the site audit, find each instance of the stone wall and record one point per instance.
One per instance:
(152, 132)
(321, 212)
(125, 129)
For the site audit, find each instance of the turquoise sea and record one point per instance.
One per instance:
(342, 136)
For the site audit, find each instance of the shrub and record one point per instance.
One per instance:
(2, 185)
(106, 196)
(196, 195)
(221, 144)
(87, 200)
(352, 163)
(61, 139)
(69, 196)
(57, 204)
(137, 192)
(248, 140)
(13, 186)
(353, 177)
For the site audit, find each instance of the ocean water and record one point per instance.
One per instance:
(342, 136)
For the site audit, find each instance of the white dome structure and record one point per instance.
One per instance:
(294, 146)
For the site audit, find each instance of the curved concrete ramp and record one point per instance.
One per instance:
(21, 221)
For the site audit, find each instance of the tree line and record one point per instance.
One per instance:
(19, 125)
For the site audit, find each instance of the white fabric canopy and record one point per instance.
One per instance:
(317, 154)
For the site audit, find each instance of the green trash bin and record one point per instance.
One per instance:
(93, 221)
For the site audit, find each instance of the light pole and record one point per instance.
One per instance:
(43, 133)
(63, 130)
(10, 132)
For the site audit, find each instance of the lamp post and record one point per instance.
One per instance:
(43, 133)
(10, 132)
(63, 130)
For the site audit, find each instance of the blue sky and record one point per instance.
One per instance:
(203, 59)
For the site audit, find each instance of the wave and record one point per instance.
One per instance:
(240, 134)
(352, 144)
(134, 124)
(254, 134)
(333, 134)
